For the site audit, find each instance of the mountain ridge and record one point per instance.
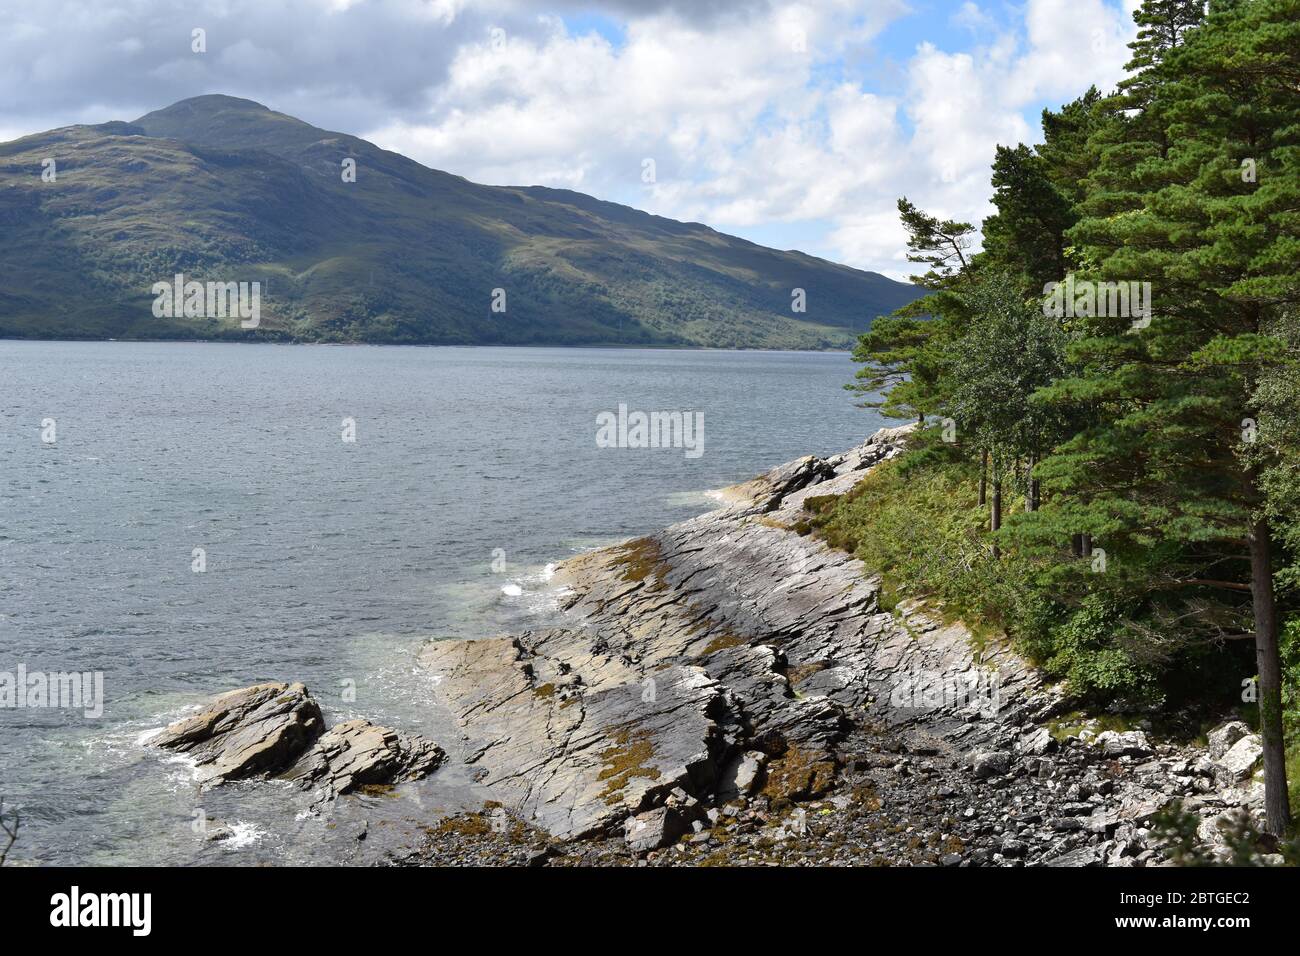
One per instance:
(225, 189)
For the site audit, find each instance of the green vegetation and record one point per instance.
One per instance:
(223, 189)
(1117, 381)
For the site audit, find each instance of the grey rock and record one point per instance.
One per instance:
(1083, 856)
(1014, 849)
(1132, 743)
(1036, 742)
(653, 829)
(358, 753)
(985, 764)
(740, 776)
(253, 730)
(276, 730)
(1239, 760)
(1222, 737)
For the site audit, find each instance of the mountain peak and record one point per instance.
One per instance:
(208, 104)
(215, 119)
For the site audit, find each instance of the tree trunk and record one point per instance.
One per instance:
(1085, 544)
(995, 513)
(984, 477)
(1277, 806)
(1031, 495)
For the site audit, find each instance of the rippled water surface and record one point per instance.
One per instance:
(327, 561)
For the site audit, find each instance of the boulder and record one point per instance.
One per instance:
(255, 730)
(990, 763)
(1222, 738)
(1131, 743)
(653, 829)
(276, 730)
(740, 775)
(1036, 742)
(1239, 761)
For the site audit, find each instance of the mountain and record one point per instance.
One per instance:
(224, 189)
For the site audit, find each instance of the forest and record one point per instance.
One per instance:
(1114, 480)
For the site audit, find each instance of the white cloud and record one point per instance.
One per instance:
(757, 114)
(743, 130)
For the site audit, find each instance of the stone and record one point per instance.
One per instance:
(1036, 742)
(987, 764)
(740, 776)
(653, 829)
(1240, 759)
(1083, 856)
(1013, 849)
(276, 730)
(1132, 743)
(254, 730)
(1222, 737)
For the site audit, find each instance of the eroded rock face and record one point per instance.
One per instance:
(258, 729)
(277, 730)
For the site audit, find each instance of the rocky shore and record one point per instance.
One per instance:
(730, 691)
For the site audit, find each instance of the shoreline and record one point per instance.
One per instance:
(727, 691)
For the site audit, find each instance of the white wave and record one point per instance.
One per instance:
(242, 834)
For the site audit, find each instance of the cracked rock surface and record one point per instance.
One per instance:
(276, 730)
(715, 681)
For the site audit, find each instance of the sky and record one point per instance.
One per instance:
(795, 125)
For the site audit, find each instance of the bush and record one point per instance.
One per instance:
(916, 522)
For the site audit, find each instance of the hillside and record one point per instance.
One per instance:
(225, 189)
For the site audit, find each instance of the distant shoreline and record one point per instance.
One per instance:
(425, 345)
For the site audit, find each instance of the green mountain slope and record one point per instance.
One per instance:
(224, 189)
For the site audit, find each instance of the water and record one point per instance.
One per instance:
(327, 561)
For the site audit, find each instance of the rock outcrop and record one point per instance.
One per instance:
(253, 730)
(711, 675)
(725, 654)
(277, 730)
(730, 690)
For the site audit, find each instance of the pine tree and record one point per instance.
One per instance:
(905, 354)
(1161, 476)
